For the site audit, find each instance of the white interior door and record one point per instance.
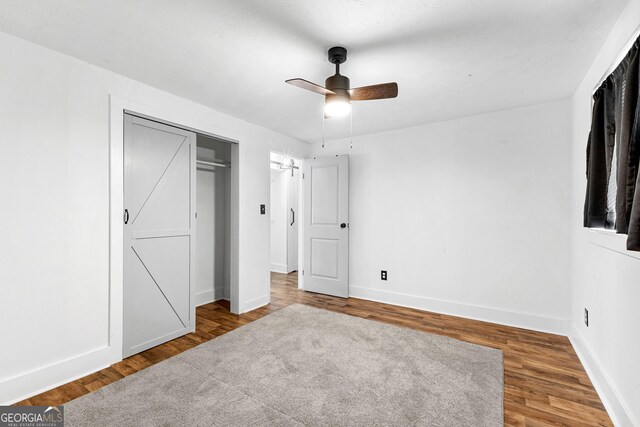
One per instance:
(292, 220)
(326, 225)
(159, 233)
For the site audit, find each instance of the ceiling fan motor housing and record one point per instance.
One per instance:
(337, 82)
(340, 85)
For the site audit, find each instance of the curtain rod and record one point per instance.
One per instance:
(623, 54)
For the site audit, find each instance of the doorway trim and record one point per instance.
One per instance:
(300, 215)
(174, 117)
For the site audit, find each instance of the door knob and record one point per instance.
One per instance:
(343, 225)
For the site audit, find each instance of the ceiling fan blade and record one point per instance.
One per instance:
(304, 84)
(381, 91)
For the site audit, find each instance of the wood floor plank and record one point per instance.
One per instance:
(545, 383)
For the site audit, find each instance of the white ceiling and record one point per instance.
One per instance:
(451, 58)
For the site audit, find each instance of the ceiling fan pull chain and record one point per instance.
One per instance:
(351, 130)
(323, 129)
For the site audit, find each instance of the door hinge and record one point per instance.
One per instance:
(303, 272)
(302, 176)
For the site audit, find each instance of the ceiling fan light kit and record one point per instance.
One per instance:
(336, 106)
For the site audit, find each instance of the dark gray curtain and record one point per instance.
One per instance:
(614, 144)
(599, 156)
(632, 194)
(627, 98)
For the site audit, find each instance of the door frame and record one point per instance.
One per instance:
(299, 214)
(117, 109)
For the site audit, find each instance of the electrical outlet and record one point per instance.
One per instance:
(383, 274)
(586, 317)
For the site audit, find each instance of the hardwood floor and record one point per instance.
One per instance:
(544, 382)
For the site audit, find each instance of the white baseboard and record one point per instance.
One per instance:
(280, 268)
(219, 294)
(45, 378)
(255, 303)
(486, 314)
(205, 297)
(615, 405)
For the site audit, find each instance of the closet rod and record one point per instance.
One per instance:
(215, 163)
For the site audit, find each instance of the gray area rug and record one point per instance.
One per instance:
(308, 366)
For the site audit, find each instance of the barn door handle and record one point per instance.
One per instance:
(293, 219)
(126, 216)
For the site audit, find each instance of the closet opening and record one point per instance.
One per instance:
(213, 215)
(285, 217)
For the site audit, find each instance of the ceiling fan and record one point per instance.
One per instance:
(337, 91)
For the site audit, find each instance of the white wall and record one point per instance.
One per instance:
(278, 216)
(222, 281)
(54, 225)
(205, 236)
(467, 216)
(604, 278)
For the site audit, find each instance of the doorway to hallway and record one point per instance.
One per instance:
(285, 213)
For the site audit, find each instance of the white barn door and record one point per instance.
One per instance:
(326, 226)
(159, 233)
